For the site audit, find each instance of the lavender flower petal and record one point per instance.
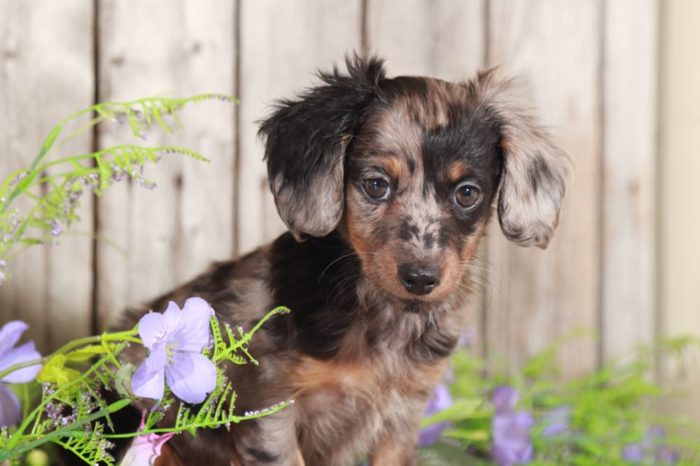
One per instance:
(176, 339)
(25, 353)
(441, 399)
(511, 438)
(557, 421)
(9, 407)
(504, 399)
(154, 327)
(194, 334)
(10, 334)
(431, 434)
(666, 455)
(191, 376)
(148, 380)
(633, 452)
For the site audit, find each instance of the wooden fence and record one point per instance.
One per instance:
(591, 67)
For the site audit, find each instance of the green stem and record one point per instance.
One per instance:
(127, 335)
(198, 425)
(247, 336)
(36, 413)
(65, 431)
(50, 140)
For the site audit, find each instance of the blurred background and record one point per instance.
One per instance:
(616, 81)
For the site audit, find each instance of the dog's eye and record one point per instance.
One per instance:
(377, 188)
(467, 195)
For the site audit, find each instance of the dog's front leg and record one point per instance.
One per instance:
(268, 441)
(396, 449)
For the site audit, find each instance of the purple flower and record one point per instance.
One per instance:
(633, 452)
(666, 455)
(441, 399)
(9, 356)
(651, 446)
(504, 399)
(175, 340)
(556, 421)
(510, 430)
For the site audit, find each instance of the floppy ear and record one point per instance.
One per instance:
(535, 171)
(305, 146)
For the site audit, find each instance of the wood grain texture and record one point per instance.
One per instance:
(171, 233)
(282, 44)
(540, 296)
(45, 74)
(444, 39)
(629, 175)
(679, 209)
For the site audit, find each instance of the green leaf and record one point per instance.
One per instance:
(122, 380)
(470, 436)
(460, 409)
(54, 371)
(86, 353)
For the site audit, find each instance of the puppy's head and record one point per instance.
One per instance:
(407, 169)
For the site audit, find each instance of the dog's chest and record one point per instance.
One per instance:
(344, 409)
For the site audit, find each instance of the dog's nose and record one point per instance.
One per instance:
(419, 279)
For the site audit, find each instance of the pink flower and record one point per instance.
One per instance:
(175, 340)
(145, 448)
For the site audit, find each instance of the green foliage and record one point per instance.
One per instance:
(234, 349)
(72, 414)
(69, 410)
(54, 184)
(610, 408)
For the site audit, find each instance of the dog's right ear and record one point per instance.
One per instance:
(306, 141)
(535, 171)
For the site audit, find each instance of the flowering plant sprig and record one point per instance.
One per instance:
(73, 414)
(53, 184)
(70, 411)
(534, 417)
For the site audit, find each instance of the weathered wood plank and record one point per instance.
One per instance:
(282, 44)
(629, 175)
(679, 210)
(46, 74)
(539, 296)
(177, 48)
(444, 39)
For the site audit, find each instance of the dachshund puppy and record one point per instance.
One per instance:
(386, 185)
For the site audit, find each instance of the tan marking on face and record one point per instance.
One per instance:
(457, 171)
(395, 138)
(469, 246)
(393, 167)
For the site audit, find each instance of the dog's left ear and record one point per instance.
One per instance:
(306, 140)
(535, 171)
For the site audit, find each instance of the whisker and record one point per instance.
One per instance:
(344, 256)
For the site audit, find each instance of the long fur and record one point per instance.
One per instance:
(386, 186)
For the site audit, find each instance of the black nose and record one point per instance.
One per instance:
(419, 279)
